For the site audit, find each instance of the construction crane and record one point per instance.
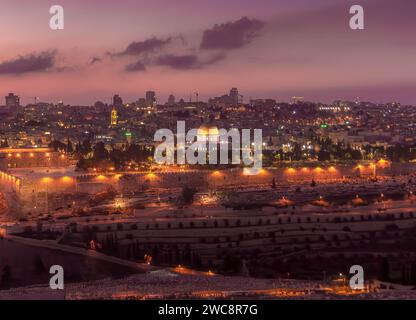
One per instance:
(35, 100)
(110, 99)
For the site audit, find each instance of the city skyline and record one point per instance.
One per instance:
(271, 49)
(208, 150)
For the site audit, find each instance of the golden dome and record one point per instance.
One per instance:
(205, 130)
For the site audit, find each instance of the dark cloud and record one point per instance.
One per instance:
(178, 62)
(185, 62)
(214, 59)
(29, 63)
(146, 46)
(94, 60)
(138, 66)
(231, 35)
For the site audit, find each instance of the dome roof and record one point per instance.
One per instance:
(206, 130)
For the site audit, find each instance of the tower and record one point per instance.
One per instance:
(234, 96)
(12, 101)
(150, 98)
(114, 116)
(117, 101)
(171, 100)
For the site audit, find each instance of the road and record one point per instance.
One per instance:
(51, 244)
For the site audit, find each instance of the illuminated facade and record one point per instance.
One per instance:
(114, 117)
(31, 158)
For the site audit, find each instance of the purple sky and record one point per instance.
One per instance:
(266, 48)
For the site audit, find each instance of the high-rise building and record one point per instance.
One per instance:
(141, 103)
(12, 101)
(117, 101)
(234, 96)
(171, 100)
(150, 98)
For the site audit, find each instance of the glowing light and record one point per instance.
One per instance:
(305, 170)
(216, 173)
(66, 179)
(291, 171)
(101, 177)
(46, 180)
(251, 171)
(318, 169)
(47, 154)
(31, 155)
(151, 176)
(263, 172)
(332, 169)
(148, 259)
(383, 163)
(18, 155)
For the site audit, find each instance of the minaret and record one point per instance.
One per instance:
(113, 120)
